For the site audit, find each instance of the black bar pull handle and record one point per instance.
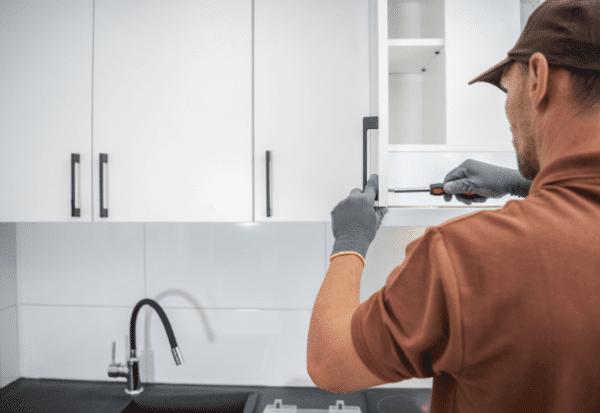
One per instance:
(371, 122)
(103, 160)
(268, 183)
(75, 212)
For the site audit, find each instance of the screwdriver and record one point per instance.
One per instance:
(437, 190)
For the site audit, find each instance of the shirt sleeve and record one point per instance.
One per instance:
(411, 328)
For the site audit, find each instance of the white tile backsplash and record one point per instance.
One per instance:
(222, 347)
(81, 263)
(257, 266)
(71, 342)
(239, 297)
(8, 266)
(9, 347)
(233, 347)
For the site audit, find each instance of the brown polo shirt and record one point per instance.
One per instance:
(500, 307)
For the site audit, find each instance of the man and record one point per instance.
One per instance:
(500, 307)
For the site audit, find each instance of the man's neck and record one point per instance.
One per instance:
(563, 133)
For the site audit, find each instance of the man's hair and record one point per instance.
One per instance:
(586, 85)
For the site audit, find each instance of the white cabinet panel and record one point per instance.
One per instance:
(173, 109)
(45, 108)
(311, 93)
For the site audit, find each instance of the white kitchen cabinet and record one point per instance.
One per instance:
(45, 109)
(312, 88)
(173, 110)
(425, 54)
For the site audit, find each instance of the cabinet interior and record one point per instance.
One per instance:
(416, 61)
(418, 69)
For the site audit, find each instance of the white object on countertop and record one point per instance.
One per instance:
(279, 407)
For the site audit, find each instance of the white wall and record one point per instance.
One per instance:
(239, 297)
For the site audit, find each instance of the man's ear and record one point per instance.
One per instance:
(538, 80)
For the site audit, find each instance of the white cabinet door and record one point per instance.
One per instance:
(173, 109)
(45, 109)
(311, 94)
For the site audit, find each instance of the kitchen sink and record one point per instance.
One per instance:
(205, 402)
(77, 396)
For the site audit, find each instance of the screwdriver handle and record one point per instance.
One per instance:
(438, 189)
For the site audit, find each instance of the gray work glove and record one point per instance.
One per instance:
(489, 181)
(355, 221)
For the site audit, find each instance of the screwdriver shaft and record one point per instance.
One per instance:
(396, 190)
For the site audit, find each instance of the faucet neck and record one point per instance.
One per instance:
(165, 322)
(132, 371)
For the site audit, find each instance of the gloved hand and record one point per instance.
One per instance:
(489, 181)
(355, 221)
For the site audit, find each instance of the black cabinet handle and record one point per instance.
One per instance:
(75, 212)
(268, 183)
(368, 123)
(103, 160)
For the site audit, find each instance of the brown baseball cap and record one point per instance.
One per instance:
(566, 32)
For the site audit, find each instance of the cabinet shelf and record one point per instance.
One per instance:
(412, 55)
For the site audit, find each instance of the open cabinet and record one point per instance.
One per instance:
(423, 54)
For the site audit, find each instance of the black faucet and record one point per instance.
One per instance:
(132, 372)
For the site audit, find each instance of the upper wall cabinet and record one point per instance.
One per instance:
(45, 110)
(311, 94)
(172, 130)
(426, 53)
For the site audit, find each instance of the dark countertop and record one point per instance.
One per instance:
(49, 395)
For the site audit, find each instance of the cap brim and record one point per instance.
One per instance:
(494, 75)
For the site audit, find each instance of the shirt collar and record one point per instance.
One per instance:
(567, 168)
